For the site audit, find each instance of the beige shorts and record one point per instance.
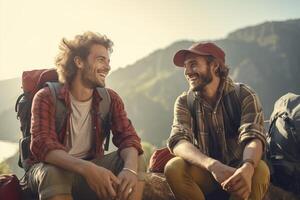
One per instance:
(46, 180)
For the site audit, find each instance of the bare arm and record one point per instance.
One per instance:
(191, 154)
(130, 157)
(253, 151)
(62, 159)
(128, 176)
(182, 136)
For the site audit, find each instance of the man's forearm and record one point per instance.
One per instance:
(190, 153)
(62, 159)
(130, 158)
(253, 151)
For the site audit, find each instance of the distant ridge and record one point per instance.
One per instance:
(265, 56)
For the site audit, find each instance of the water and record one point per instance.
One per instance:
(7, 149)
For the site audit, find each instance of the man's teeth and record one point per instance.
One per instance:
(193, 78)
(101, 74)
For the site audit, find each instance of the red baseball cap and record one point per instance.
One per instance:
(201, 49)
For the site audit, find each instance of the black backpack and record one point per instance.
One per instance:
(284, 143)
(34, 80)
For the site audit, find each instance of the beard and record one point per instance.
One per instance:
(89, 78)
(204, 80)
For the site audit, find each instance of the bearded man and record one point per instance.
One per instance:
(212, 151)
(71, 164)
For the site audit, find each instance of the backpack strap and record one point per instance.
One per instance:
(190, 101)
(192, 108)
(105, 114)
(60, 108)
(61, 111)
(232, 104)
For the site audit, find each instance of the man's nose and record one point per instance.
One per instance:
(188, 70)
(107, 67)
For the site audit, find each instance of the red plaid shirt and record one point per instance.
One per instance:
(45, 139)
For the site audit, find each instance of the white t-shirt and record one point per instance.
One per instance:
(79, 139)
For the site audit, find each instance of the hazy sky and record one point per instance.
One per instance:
(30, 30)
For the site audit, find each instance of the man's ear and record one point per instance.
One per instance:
(78, 62)
(215, 67)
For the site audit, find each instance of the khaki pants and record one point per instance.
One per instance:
(47, 180)
(193, 183)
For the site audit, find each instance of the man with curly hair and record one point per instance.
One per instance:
(217, 133)
(71, 164)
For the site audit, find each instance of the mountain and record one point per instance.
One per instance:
(10, 89)
(265, 56)
(9, 126)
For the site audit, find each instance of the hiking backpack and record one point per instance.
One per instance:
(283, 140)
(9, 187)
(32, 82)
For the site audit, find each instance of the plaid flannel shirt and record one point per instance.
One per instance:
(45, 139)
(216, 135)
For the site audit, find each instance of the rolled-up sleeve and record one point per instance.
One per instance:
(252, 117)
(181, 128)
(124, 134)
(43, 135)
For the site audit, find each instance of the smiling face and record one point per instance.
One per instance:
(96, 67)
(197, 72)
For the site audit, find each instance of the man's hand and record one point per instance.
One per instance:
(220, 171)
(101, 180)
(239, 184)
(128, 184)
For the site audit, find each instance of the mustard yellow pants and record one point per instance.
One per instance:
(189, 182)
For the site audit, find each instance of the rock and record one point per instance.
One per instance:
(277, 193)
(157, 188)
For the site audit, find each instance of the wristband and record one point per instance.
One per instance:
(130, 170)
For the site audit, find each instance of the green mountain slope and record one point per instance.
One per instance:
(265, 56)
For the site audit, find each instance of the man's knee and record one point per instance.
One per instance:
(260, 181)
(174, 167)
(49, 181)
(55, 174)
(61, 197)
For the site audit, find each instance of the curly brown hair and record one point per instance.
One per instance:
(79, 46)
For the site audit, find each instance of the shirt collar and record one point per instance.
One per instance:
(225, 87)
(63, 93)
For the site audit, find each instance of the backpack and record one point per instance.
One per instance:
(32, 82)
(283, 140)
(9, 187)
(232, 103)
